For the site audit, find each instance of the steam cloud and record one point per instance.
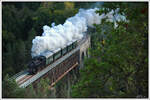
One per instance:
(58, 36)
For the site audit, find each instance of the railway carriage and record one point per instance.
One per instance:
(49, 57)
(64, 50)
(74, 44)
(69, 46)
(57, 53)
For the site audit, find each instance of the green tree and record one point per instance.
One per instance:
(10, 89)
(118, 66)
(43, 88)
(30, 92)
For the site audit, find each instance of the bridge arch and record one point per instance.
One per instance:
(87, 55)
(84, 51)
(82, 56)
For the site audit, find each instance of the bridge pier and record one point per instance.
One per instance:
(63, 87)
(84, 50)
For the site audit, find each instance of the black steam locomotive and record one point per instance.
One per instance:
(49, 57)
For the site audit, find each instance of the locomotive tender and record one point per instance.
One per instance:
(48, 57)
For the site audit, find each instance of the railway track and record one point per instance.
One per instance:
(24, 77)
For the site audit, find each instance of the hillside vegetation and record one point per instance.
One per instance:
(118, 63)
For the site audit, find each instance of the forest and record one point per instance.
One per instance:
(118, 63)
(22, 22)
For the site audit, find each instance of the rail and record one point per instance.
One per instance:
(18, 74)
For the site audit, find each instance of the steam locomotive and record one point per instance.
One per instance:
(49, 57)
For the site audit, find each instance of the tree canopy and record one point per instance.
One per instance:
(118, 66)
(22, 21)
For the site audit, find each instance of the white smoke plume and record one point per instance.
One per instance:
(58, 36)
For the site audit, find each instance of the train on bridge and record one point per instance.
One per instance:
(53, 65)
(48, 57)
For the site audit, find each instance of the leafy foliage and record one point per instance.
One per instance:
(21, 23)
(118, 66)
(10, 89)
